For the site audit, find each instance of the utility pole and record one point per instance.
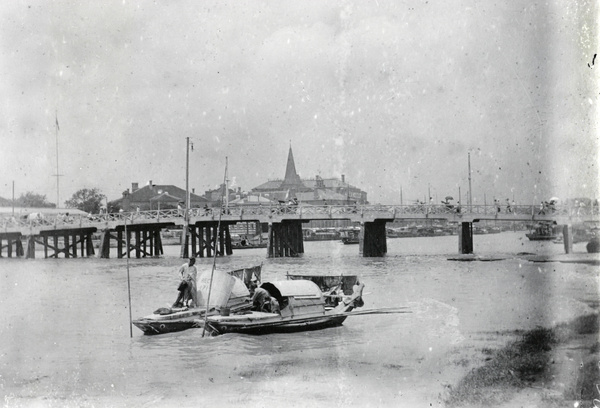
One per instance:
(470, 189)
(400, 195)
(57, 128)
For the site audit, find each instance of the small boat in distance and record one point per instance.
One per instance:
(543, 231)
(350, 236)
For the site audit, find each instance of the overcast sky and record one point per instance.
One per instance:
(393, 94)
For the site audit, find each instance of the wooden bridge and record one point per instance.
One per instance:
(140, 232)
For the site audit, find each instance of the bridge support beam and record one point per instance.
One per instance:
(72, 241)
(465, 238)
(285, 239)
(372, 239)
(13, 242)
(206, 238)
(568, 238)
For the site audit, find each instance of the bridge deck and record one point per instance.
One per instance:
(277, 214)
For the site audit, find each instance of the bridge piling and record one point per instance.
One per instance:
(30, 254)
(465, 238)
(285, 239)
(372, 239)
(568, 238)
(104, 250)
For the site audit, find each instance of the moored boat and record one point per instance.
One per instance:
(542, 232)
(333, 287)
(350, 236)
(231, 296)
(302, 307)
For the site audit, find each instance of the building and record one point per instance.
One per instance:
(317, 191)
(155, 197)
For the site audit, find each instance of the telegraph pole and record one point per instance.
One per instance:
(470, 190)
(57, 128)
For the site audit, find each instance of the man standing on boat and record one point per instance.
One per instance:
(188, 273)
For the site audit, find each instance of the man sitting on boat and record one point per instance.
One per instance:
(261, 300)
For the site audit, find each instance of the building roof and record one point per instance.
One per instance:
(329, 183)
(269, 185)
(149, 192)
(165, 198)
(252, 199)
(321, 195)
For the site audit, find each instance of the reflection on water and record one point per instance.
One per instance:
(64, 326)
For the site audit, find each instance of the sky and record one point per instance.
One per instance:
(395, 95)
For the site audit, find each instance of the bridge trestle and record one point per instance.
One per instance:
(285, 239)
(14, 245)
(204, 239)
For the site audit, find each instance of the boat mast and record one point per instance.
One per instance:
(187, 177)
(226, 192)
(212, 273)
(184, 241)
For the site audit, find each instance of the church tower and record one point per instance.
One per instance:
(291, 180)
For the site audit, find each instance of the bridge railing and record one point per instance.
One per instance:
(62, 221)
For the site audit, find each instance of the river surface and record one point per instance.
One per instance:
(65, 334)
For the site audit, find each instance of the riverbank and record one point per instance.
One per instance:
(549, 367)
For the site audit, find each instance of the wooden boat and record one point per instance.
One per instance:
(302, 307)
(233, 299)
(350, 236)
(248, 245)
(542, 232)
(333, 287)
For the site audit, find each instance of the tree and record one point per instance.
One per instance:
(31, 199)
(88, 200)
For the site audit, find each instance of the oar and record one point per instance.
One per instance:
(390, 310)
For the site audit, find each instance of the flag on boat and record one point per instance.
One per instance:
(56, 118)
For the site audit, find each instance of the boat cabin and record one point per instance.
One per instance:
(296, 297)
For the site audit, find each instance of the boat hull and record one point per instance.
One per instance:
(535, 237)
(152, 327)
(350, 241)
(275, 325)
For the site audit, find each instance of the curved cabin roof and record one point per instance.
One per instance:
(296, 288)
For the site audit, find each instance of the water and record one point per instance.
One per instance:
(64, 327)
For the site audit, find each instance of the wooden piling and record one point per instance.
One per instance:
(568, 239)
(465, 238)
(30, 247)
(372, 239)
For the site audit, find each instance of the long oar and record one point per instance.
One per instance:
(388, 310)
(212, 273)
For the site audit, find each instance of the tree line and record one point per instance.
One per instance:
(87, 199)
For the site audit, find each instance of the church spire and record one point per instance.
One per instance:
(291, 177)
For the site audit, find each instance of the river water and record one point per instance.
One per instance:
(65, 339)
